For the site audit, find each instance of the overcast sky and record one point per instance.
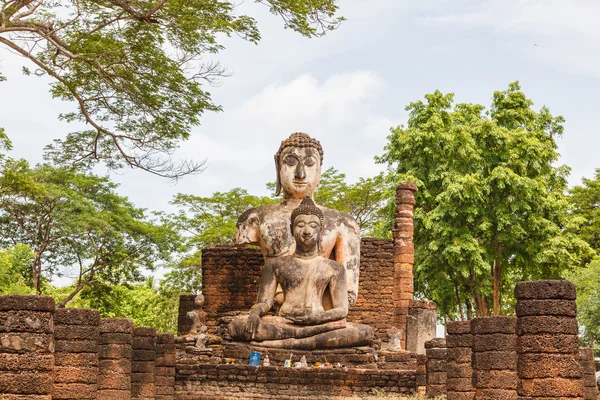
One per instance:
(348, 88)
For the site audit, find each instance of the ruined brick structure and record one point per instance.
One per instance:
(533, 356)
(72, 353)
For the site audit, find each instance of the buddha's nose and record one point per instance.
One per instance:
(300, 173)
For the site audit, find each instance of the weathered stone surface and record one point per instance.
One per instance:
(421, 325)
(458, 327)
(548, 343)
(543, 365)
(494, 342)
(547, 324)
(501, 360)
(24, 342)
(116, 325)
(76, 316)
(567, 308)
(489, 325)
(26, 321)
(551, 387)
(26, 382)
(26, 362)
(496, 379)
(24, 302)
(545, 289)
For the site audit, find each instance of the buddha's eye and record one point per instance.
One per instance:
(290, 160)
(300, 224)
(310, 161)
(314, 225)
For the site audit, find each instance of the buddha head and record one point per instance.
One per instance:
(306, 225)
(298, 162)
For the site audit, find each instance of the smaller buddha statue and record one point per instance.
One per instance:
(303, 322)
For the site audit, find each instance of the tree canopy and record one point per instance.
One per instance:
(135, 69)
(76, 225)
(491, 205)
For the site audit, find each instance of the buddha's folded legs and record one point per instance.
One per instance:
(276, 328)
(351, 336)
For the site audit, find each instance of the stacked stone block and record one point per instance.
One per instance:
(588, 368)
(143, 365)
(402, 233)
(76, 335)
(115, 354)
(420, 325)
(459, 341)
(421, 375)
(436, 353)
(548, 344)
(26, 347)
(164, 370)
(495, 358)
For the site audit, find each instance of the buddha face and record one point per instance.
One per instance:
(299, 171)
(307, 232)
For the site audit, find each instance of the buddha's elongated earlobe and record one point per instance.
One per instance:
(278, 182)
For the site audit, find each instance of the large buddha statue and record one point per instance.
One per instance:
(298, 165)
(302, 322)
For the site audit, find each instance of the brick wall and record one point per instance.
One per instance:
(230, 277)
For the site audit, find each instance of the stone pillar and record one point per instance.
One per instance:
(76, 335)
(164, 371)
(186, 304)
(115, 353)
(495, 358)
(404, 258)
(436, 353)
(26, 347)
(548, 340)
(459, 370)
(420, 325)
(142, 368)
(588, 368)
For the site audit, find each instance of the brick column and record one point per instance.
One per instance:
(421, 374)
(76, 335)
(26, 347)
(186, 304)
(459, 341)
(548, 340)
(436, 353)
(115, 352)
(403, 232)
(588, 368)
(495, 358)
(164, 371)
(142, 368)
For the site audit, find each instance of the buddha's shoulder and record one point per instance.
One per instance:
(259, 214)
(339, 218)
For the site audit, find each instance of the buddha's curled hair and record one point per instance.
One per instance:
(308, 207)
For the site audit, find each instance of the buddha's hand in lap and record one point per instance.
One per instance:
(252, 323)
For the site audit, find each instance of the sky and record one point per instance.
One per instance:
(349, 88)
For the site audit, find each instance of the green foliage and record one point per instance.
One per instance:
(585, 206)
(143, 302)
(14, 270)
(490, 207)
(587, 281)
(78, 226)
(135, 69)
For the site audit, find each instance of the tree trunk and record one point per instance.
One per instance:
(496, 267)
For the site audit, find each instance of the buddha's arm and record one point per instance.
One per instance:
(266, 296)
(347, 253)
(339, 297)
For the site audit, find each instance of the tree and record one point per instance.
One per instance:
(14, 270)
(585, 208)
(587, 281)
(491, 207)
(135, 69)
(74, 221)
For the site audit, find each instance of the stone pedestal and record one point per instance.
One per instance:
(26, 347)
(402, 233)
(495, 358)
(548, 340)
(76, 334)
(420, 325)
(164, 370)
